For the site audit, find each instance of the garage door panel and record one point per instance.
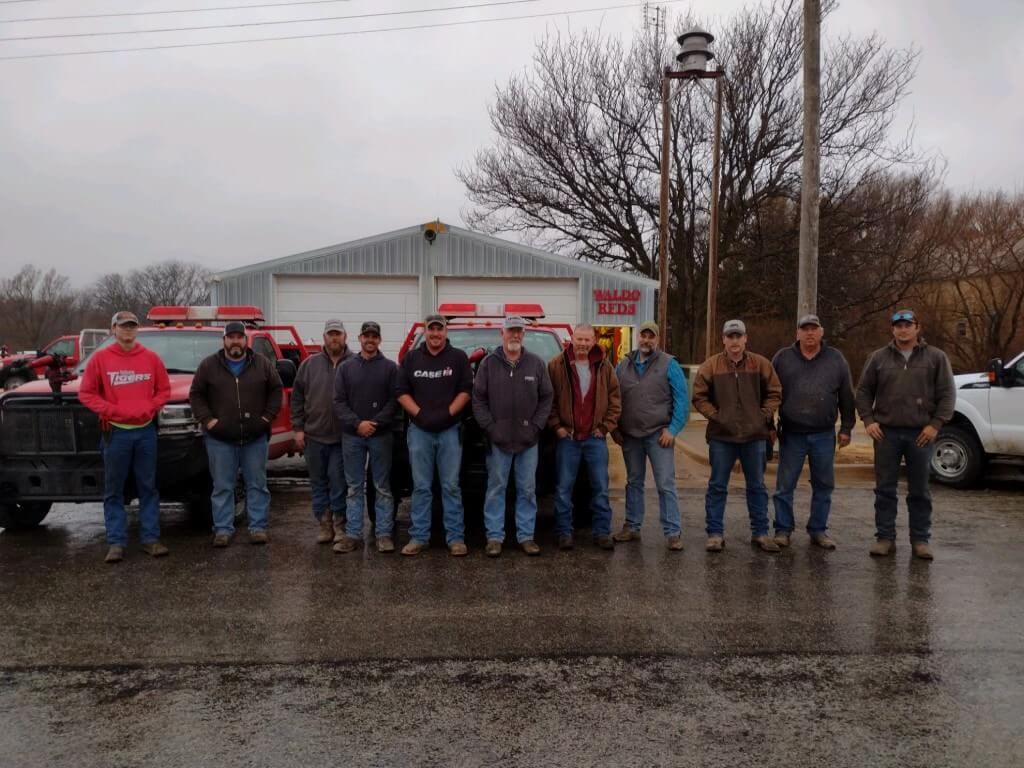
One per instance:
(308, 300)
(559, 297)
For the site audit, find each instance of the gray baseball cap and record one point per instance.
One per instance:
(123, 317)
(734, 326)
(809, 320)
(334, 324)
(435, 319)
(513, 321)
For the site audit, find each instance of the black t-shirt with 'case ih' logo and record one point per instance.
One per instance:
(434, 381)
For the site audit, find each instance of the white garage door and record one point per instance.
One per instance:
(559, 297)
(306, 301)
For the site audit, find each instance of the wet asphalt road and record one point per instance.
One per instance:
(291, 655)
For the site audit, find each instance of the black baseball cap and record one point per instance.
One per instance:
(370, 327)
(234, 327)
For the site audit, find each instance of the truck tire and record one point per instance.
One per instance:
(958, 460)
(23, 516)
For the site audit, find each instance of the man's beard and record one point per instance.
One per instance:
(236, 352)
(515, 346)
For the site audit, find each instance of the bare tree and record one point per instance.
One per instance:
(576, 162)
(172, 282)
(34, 306)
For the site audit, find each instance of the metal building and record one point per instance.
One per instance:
(398, 277)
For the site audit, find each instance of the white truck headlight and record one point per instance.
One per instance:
(177, 419)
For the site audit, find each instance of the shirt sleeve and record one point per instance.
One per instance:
(680, 397)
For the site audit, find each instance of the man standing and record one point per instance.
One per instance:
(364, 400)
(655, 408)
(816, 389)
(738, 392)
(434, 386)
(318, 431)
(511, 403)
(906, 394)
(586, 410)
(236, 395)
(126, 385)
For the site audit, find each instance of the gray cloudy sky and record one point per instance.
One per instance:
(235, 154)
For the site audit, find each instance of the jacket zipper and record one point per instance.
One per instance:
(238, 398)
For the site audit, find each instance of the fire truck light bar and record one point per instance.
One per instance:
(530, 311)
(179, 314)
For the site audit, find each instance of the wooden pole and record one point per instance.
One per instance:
(663, 216)
(810, 194)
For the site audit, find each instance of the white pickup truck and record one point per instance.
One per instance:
(988, 425)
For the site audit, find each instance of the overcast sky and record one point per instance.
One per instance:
(235, 154)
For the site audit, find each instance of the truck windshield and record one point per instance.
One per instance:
(542, 343)
(181, 351)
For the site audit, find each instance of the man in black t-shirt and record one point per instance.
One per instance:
(434, 385)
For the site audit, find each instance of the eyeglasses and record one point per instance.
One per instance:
(900, 317)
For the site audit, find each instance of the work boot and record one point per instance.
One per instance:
(604, 542)
(530, 547)
(823, 540)
(714, 544)
(155, 549)
(627, 534)
(782, 539)
(115, 554)
(883, 548)
(346, 544)
(565, 542)
(493, 548)
(326, 533)
(221, 540)
(258, 537)
(457, 549)
(411, 549)
(339, 528)
(765, 543)
(922, 551)
(675, 543)
(385, 545)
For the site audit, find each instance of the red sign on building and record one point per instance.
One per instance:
(616, 302)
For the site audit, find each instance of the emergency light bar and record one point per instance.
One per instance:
(251, 315)
(528, 311)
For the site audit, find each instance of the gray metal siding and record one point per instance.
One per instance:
(456, 253)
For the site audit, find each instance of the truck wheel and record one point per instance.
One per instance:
(23, 516)
(958, 460)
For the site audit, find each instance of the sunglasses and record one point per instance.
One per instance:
(900, 317)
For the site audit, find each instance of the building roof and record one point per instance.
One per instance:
(574, 264)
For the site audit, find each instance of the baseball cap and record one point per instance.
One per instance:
(904, 315)
(234, 327)
(734, 326)
(123, 318)
(370, 327)
(648, 326)
(334, 324)
(513, 321)
(434, 319)
(809, 320)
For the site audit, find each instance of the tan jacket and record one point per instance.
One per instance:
(739, 400)
(607, 401)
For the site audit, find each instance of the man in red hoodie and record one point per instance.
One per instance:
(126, 385)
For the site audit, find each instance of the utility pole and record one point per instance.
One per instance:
(810, 193)
(710, 331)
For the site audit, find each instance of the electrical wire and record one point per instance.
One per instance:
(348, 33)
(277, 22)
(171, 10)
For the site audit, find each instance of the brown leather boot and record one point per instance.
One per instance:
(883, 548)
(922, 551)
(326, 533)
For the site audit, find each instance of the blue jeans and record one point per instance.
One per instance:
(568, 454)
(819, 448)
(723, 456)
(356, 449)
(635, 452)
(428, 450)
(226, 459)
(326, 477)
(124, 451)
(895, 444)
(499, 464)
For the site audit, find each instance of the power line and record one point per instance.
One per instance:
(348, 33)
(172, 10)
(277, 22)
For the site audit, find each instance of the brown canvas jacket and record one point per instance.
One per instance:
(739, 400)
(607, 403)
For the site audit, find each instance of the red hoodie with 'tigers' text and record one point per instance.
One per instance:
(125, 387)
